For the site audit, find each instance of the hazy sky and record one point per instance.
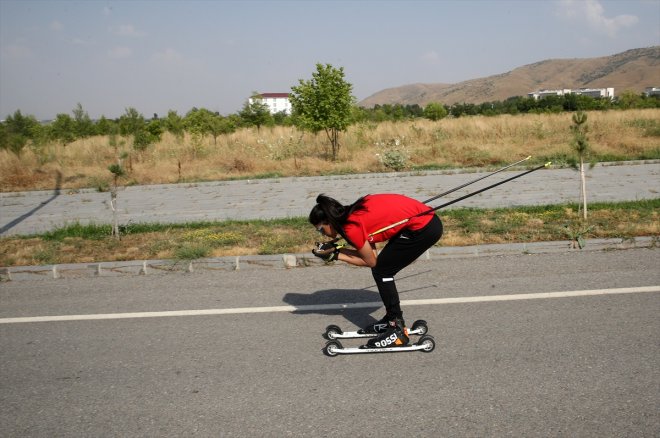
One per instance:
(161, 55)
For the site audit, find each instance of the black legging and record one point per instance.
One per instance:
(400, 251)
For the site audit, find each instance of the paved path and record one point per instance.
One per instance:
(38, 211)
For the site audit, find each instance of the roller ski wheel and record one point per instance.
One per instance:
(332, 332)
(332, 348)
(426, 344)
(419, 328)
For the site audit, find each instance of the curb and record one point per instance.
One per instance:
(291, 261)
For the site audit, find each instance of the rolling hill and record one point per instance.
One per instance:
(633, 70)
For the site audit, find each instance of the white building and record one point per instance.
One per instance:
(277, 102)
(545, 93)
(592, 92)
(596, 92)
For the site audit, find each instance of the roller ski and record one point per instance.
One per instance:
(393, 339)
(333, 332)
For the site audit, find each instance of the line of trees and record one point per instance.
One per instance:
(323, 103)
(18, 129)
(513, 105)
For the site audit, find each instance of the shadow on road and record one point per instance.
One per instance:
(18, 220)
(360, 302)
(359, 317)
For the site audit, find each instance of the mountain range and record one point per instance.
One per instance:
(633, 70)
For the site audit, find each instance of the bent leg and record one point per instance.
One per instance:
(400, 252)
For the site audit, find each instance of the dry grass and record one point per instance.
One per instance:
(285, 151)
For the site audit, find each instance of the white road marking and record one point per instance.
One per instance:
(316, 307)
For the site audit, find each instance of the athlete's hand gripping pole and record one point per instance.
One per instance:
(327, 255)
(330, 244)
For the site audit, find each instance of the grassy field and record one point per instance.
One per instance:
(480, 142)
(285, 151)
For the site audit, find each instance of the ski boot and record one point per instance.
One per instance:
(419, 328)
(376, 327)
(395, 336)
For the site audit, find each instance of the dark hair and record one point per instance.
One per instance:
(333, 212)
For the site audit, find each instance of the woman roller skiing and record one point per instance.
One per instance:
(361, 224)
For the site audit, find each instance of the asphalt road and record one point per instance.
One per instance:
(39, 211)
(569, 366)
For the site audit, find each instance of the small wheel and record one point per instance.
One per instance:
(331, 332)
(428, 342)
(331, 348)
(420, 325)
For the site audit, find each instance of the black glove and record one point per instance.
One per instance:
(327, 255)
(324, 246)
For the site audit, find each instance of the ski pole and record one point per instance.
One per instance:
(484, 189)
(474, 181)
(459, 199)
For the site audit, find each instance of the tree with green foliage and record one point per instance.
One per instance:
(580, 144)
(281, 118)
(62, 129)
(629, 99)
(82, 124)
(220, 125)
(256, 113)
(202, 122)
(323, 103)
(132, 123)
(17, 130)
(174, 124)
(105, 126)
(197, 121)
(435, 111)
(155, 128)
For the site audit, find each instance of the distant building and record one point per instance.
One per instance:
(545, 93)
(277, 102)
(652, 91)
(592, 92)
(596, 92)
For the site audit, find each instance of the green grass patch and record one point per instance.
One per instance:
(88, 232)
(192, 251)
(463, 226)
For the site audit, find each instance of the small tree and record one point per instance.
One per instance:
(131, 122)
(256, 113)
(323, 103)
(580, 144)
(83, 125)
(117, 172)
(63, 129)
(174, 124)
(105, 126)
(435, 111)
(17, 130)
(220, 125)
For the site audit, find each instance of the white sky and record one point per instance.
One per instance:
(157, 56)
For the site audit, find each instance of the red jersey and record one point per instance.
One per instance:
(380, 211)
